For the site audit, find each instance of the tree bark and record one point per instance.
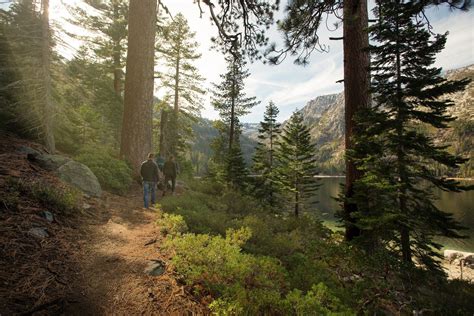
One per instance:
(356, 92)
(232, 110)
(176, 84)
(297, 203)
(404, 230)
(137, 125)
(163, 125)
(48, 122)
(117, 57)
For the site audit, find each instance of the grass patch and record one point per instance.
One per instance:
(58, 200)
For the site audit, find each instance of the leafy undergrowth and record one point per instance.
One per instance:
(251, 261)
(113, 174)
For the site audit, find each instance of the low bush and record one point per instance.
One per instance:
(113, 174)
(241, 282)
(202, 214)
(59, 200)
(303, 268)
(317, 301)
(171, 224)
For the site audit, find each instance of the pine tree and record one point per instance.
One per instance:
(183, 81)
(398, 156)
(236, 170)
(219, 148)
(109, 43)
(137, 127)
(9, 77)
(229, 98)
(264, 161)
(296, 164)
(48, 107)
(30, 38)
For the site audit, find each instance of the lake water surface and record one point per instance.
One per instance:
(460, 204)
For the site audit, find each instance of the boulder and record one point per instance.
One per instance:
(80, 176)
(51, 162)
(469, 259)
(28, 151)
(155, 268)
(455, 257)
(38, 232)
(48, 216)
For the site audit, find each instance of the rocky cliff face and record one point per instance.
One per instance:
(325, 117)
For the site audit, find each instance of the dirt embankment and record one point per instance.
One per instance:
(92, 262)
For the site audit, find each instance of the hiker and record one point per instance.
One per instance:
(160, 161)
(170, 170)
(150, 176)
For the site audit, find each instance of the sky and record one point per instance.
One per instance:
(291, 86)
(288, 85)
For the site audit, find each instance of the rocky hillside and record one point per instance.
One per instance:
(204, 133)
(325, 116)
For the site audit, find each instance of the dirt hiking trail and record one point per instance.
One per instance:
(115, 249)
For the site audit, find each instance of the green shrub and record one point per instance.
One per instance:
(59, 200)
(171, 224)
(113, 174)
(318, 301)
(239, 281)
(202, 213)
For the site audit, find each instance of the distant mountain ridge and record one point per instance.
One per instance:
(324, 115)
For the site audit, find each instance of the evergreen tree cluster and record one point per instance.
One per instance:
(177, 50)
(396, 208)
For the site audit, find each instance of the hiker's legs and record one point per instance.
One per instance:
(146, 187)
(167, 180)
(173, 184)
(153, 193)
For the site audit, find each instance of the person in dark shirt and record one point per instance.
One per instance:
(160, 161)
(150, 176)
(170, 170)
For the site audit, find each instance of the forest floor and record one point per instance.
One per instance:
(91, 262)
(117, 245)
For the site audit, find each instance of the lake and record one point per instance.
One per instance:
(460, 204)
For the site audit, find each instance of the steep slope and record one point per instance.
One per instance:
(204, 133)
(325, 117)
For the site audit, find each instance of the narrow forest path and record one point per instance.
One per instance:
(114, 251)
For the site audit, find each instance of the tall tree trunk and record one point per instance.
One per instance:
(138, 102)
(297, 203)
(163, 125)
(176, 85)
(48, 113)
(401, 117)
(117, 49)
(174, 126)
(356, 92)
(117, 70)
(232, 110)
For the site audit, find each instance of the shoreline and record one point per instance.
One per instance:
(343, 176)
